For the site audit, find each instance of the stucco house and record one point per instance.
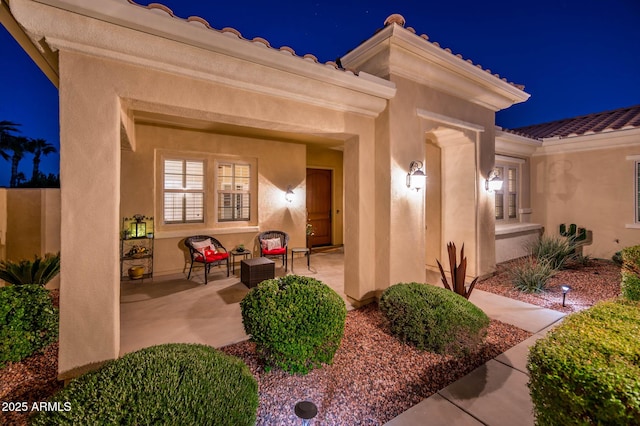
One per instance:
(146, 96)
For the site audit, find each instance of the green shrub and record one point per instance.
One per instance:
(433, 318)
(28, 321)
(586, 370)
(556, 250)
(296, 322)
(39, 271)
(532, 276)
(617, 258)
(173, 384)
(631, 273)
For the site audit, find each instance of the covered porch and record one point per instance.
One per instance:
(172, 309)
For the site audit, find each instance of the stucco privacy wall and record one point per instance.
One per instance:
(272, 173)
(593, 189)
(3, 224)
(30, 224)
(106, 69)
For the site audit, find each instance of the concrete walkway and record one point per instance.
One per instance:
(495, 393)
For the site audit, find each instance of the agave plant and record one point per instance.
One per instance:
(39, 271)
(458, 272)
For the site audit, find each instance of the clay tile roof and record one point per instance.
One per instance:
(399, 20)
(621, 118)
(232, 32)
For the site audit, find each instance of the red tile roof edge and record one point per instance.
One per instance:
(391, 19)
(598, 122)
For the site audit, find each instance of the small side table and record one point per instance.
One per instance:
(254, 271)
(245, 254)
(306, 252)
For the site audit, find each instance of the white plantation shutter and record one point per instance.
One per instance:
(234, 192)
(183, 187)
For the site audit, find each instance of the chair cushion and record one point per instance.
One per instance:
(271, 244)
(211, 256)
(281, 250)
(201, 244)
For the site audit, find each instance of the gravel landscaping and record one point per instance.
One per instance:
(598, 280)
(374, 377)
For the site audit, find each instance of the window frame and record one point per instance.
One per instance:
(636, 192)
(184, 190)
(235, 193)
(508, 191)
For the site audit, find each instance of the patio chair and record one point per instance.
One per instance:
(274, 244)
(208, 251)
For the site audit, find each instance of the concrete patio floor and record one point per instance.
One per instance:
(174, 309)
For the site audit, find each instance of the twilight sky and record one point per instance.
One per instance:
(574, 57)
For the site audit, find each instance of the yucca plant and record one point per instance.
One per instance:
(557, 251)
(39, 271)
(532, 276)
(458, 272)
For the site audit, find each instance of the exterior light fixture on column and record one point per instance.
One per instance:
(416, 179)
(289, 194)
(493, 182)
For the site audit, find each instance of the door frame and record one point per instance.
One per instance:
(333, 200)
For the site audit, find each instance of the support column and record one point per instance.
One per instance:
(90, 197)
(359, 209)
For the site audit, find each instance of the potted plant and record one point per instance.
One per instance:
(240, 248)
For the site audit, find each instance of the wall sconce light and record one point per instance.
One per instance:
(289, 194)
(416, 179)
(565, 289)
(493, 182)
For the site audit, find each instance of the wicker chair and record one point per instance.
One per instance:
(274, 252)
(215, 254)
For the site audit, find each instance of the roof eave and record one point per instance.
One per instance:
(46, 60)
(130, 15)
(437, 68)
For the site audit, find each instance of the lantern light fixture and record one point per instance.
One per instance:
(416, 179)
(289, 194)
(493, 182)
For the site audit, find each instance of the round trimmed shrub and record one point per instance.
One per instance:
(172, 384)
(433, 318)
(28, 321)
(296, 322)
(585, 371)
(631, 273)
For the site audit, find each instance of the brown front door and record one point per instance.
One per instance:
(319, 205)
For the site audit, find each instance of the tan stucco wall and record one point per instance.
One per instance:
(273, 173)
(3, 223)
(462, 211)
(331, 159)
(91, 178)
(30, 224)
(593, 189)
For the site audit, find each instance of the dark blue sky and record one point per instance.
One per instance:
(574, 57)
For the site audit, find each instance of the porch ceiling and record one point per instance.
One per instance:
(335, 141)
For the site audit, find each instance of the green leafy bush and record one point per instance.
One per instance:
(39, 271)
(556, 250)
(172, 384)
(532, 276)
(631, 273)
(296, 322)
(28, 321)
(586, 370)
(433, 318)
